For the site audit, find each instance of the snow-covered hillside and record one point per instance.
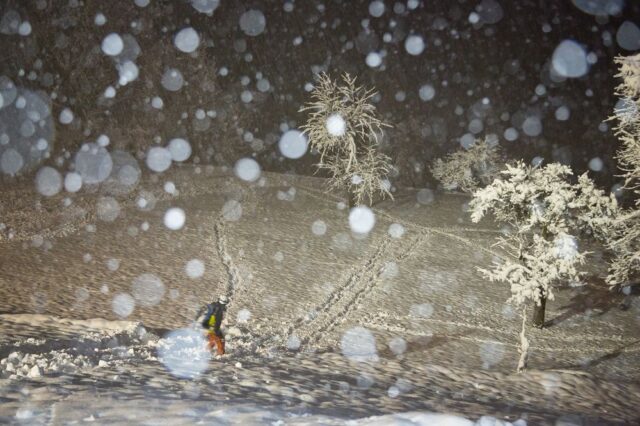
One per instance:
(322, 321)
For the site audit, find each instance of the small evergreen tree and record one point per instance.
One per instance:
(468, 169)
(545, 214)
(344, 129)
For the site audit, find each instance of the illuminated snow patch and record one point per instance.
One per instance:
(187, 40)
(147, 289)
(184, 352)
(247, 169)
(570, 60)
(48, 181)
(336, 126)
(194, 268)
(174, 218)
(180, 149)
(122, 304)
(112, 45)
(158, 159)
(361, 219)
(252, 22)
(359, 344)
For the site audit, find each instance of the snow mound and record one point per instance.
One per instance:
(69, 345)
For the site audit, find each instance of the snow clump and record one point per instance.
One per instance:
(336, 126)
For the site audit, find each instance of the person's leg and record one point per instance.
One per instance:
(219, 340)
(211, 340)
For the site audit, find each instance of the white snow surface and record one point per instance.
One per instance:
(384, 328)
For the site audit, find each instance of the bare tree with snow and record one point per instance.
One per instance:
(344, 129)
(545, 213)
(468, 169)
(626, 244)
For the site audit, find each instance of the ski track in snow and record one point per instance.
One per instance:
(444, 231)
(221, 243)
(350, 293)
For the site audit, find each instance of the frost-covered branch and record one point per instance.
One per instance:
(625, 243)
(468, 169)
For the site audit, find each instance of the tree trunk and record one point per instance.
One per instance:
(351, 199)
(538, 313)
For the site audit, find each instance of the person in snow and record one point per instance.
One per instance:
(210, 318)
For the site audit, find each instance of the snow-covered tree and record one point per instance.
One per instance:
(546, 213)
(344, 129)
(468, 169)
(626, 244)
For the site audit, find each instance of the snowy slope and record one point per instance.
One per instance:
(321, 320)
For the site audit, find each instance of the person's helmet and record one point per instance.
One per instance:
(223, 300)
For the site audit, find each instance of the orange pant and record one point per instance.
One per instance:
(216, 341)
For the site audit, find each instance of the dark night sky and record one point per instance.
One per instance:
(488, 77)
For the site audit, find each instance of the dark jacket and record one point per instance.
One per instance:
(211, 315)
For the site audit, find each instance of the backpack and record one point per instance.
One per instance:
(207, 317)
